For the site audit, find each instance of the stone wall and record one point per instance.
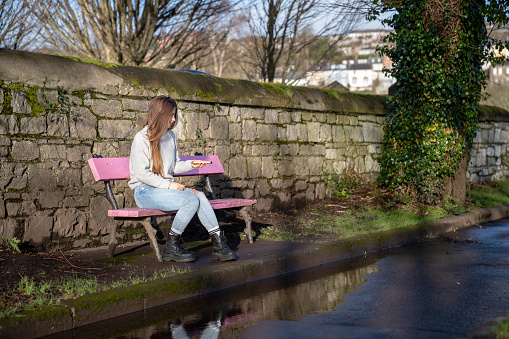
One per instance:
(274, 141)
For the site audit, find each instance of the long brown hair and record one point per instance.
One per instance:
(160, 110)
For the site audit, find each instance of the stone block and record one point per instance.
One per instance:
(490, 152)
(135, 105)
(284, 118)
(124, 149)
(331, 154)
(271, 116)
(78, 153)
(321, 117)
(302, 132)
(2, 207)
(300, 185)
(191, 123)
(248, 130)
(296, 116)
(116, 129)
(310, 193)
(20, 103)
(54, 152)
(220, 110)
(264, 204)
(325, 133)
(306, 116)
(496, 138)
(5, 141)
(254, 167)
(13, 209)
(267, 132)
(285, 168)
(237, 167)
(8, 124)
(47, 98)
(283, 201)
(50, 199)
(107, 108)
(25, 150)
(292, 132)
(234, 114)
(235, 131)
(299, 200)
(69, 177)
(372, 132)
(219, 128)
(12, 195)
(28, 208)
(252, 113)
(82, 124)
(301, 165)
(268, 170)
(371, 164)
(263, 187)
(313, 129)
(33, 125)
(281, 133)
(76, 201)
(41, 176)
(58, 125)
(320, 191)
(276, 183)
(223, 151)
(349, 133)
(69, 222)
(13, 175)
(8, 228)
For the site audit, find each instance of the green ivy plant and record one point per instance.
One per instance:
(438, 49)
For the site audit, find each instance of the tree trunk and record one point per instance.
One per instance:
(456, 187)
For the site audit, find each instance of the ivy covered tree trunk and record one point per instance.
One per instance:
(437, 49)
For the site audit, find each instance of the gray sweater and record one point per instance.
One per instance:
(140, 164)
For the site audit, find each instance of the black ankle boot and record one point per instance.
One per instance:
(173, 250)
(221, 251)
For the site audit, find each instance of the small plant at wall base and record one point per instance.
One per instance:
(342, 185)
(438, 52)
(11, 244)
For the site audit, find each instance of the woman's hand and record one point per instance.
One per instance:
(198, 164)
(176, 186)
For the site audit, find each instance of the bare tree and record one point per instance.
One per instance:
(18, 28)
(279, 30)
(163, 33)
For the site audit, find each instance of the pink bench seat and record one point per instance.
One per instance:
(110, 169)
(136, 212)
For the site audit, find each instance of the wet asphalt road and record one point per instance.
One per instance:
(444, 290)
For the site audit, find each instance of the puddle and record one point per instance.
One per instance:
(290, 297)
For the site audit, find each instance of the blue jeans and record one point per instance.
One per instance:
(186, 203)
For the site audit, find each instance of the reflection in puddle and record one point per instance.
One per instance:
(231, 315)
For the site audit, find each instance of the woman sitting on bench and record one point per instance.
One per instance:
(153, 161)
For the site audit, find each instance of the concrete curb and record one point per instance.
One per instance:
(121, 301)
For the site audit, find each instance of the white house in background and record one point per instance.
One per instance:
(356, 75)
(360, 77)
(499, 74)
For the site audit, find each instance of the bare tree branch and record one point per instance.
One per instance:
(18, 26)
(160, 33)
(275, 32)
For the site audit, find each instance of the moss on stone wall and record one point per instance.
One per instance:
(493, 113)
(90, 61)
